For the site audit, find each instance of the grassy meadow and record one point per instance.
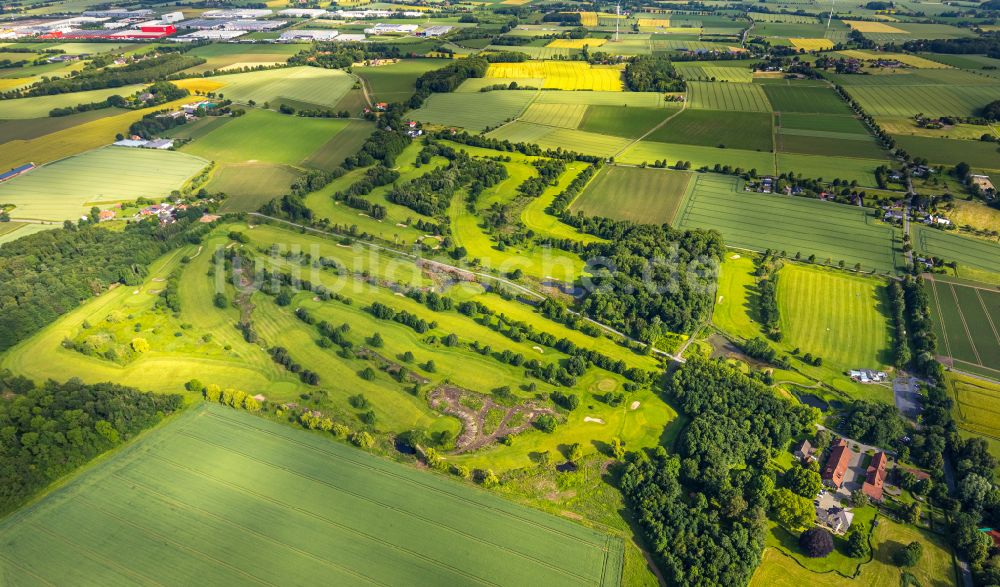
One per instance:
(966, 322)
(651, 196)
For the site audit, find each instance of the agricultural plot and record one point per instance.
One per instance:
(473, 111)
(562, 75)
(310, 85)
(732, 97)
(905, 58)
(630, 122)
(251, 185)
(836, 136)
(978, 154)
(789, 18)
(790, 224)
(560, 115)
(61, 190)
(834, 315)
(537, 52)
(709, 73)
(811, 44)
(650, 196)
(625, 99)
(931, 100)
(900, 32)
(975, 253)
(806, 99)
(830, 168)
(651, 151)
(976, 405)
(979, 63)
(736, 130)
(302, 508)
(268, 137)
(10, 231)
(396, 82)
(222, 56)
(342, 145)
(967, 325)
(577, 43)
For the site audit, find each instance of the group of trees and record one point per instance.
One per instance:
(767, 301)
(922, 337)
(874, 423)
(44, 275)
(47, 431)
(376, 176)
(650, 73)
(431, 193)
(702, 510)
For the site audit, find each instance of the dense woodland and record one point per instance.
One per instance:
(47, 431)
(702, 511)
(647, 73)
(45, 275)
(138, 72)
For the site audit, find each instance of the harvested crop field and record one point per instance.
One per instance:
(474, 111)
(710, 128)
(230, 498)
(726, 96)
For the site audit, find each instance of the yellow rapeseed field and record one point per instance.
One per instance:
(811, 44)
(588, 18)
(562, 75)
(576, 43)
(654, 22)
(863, 26)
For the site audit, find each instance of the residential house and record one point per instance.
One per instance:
(836, 466)
(804, 452)
(873, 485)
(836, 518)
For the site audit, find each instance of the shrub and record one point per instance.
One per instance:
(909, 555)
(816, 542)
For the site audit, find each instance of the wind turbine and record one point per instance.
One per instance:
(618, 18)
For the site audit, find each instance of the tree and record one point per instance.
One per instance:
(617, 448)
(802, 481)
(575, 452)
(792, 511)
(429, 366)
(140, 345)
(816, 542)
(489, 479)
(362, 439)
(909, 555)
(376, 340)
(546, 423)
(193, 385)
(857, 544)
(220, 301)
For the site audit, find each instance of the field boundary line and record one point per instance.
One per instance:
(389, 473)
(968, 333)
(989, 318)
(186, 506)
(657, 127)
(360, 497)
(179, 545)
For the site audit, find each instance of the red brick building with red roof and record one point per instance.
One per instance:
(836, 465)
(873, 486)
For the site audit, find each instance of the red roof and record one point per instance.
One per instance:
(836, 465)
(995, 536)
(873, 486)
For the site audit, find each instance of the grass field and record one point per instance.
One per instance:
(10, 231)
(474, 111)
(967, 325)
(905, 95)
(949, 246)
(806, 99)
(736, 297)
(302, 509)
(626, 99)
(935, 567)
(709, 73)
(906, 58)
(650, 196)
(311, 85)
(342, 145)
(550, 137)
(731, 97)
(863, 26)
(829, 168)
(835, 315)
(736, 130)
(396, 82)
(561, 75)
(577, 43)
(790, 224)
(268, 137)
(61, 190)
(251, 185)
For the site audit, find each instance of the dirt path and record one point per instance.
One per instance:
(657, 127)
(448, 399)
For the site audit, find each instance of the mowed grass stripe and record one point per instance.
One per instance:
(229, 538)
(833, 315)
